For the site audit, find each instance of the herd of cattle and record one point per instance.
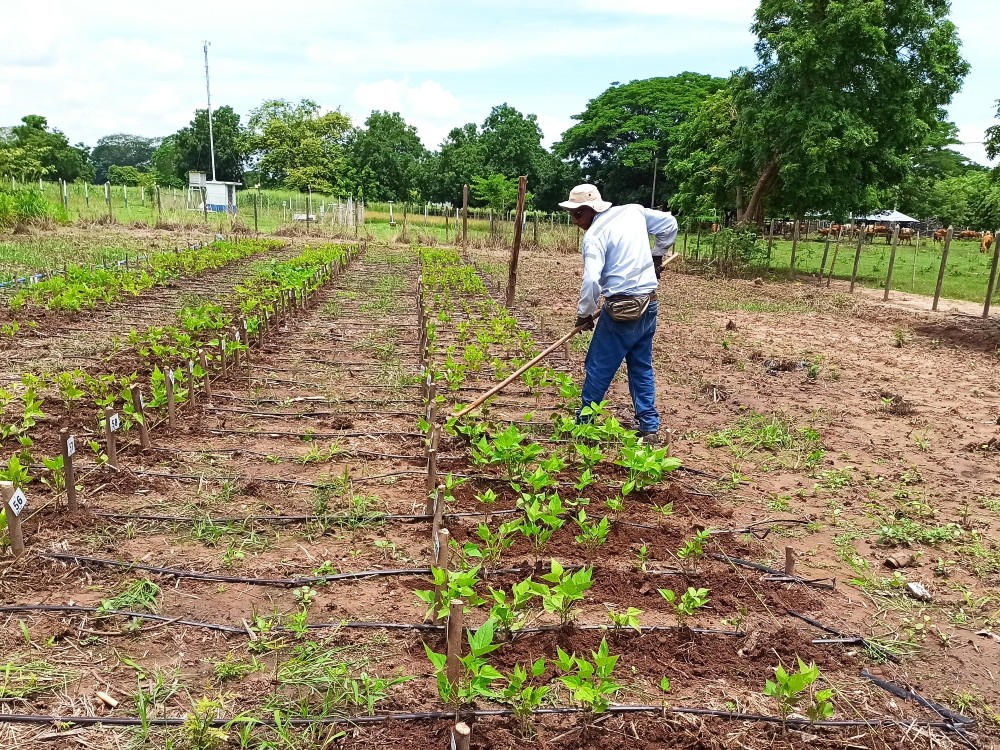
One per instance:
(906, 235)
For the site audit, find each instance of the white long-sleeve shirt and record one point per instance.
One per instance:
(616, 253)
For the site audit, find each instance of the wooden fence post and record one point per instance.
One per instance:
(944, 262)
(822, 263)
(795, 245)
(892, 262)
(192, 397)
(110, 427)
(431, 502)
(522, 186)
(857, 259)
(140, 413)
(770, 243)
(13, 504)
(836, 252)
(465, 216)
(68, 445)
(993, 279)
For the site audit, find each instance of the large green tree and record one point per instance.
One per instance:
(166, 165)
(123, 150)
(630, 127)
(295, 146)
(35, 150)
(191, 146)
(843, 95)
(387, 158)
(459, 161)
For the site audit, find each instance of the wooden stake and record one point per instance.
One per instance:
(68, 444)
(944, 262)
(522, 186)
(826, 252)
(168, 382)
(442, 555)
(789, 561)
(857, 259)
(453, 663)
(203, 360)
(463, 736)
(109, 435)
(190, 379)
(993, 280)
(892, 262)
(465, 216)
(430, 504)
(141, 414)
(222, 356)
(236, 352)
(7, 490)
(836, 251)
(795, 245)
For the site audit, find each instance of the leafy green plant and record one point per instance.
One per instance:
(594, 534)
(566, 589)
(477, 676)
(454, 584)
(789, 689)
(627, 619)
(590, 683)
(493, 543)
(509, 449)
(646, 466)
(523, 698)
(688, 603)
(510, 612)
(694, 549)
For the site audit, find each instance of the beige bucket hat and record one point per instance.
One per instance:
(585, 195)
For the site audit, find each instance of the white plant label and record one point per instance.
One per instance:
(17, 502)
(115, 422)
(173, 378)
(70, 445)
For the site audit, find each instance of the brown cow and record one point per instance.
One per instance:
(940, 234)
(987, 243)
(968, 234)
(906, 235)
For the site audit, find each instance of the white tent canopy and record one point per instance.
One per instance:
(889, 217)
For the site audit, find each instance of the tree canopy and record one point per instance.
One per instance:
(192, 150)
(388, 157)
(842, 97)
(294, 146)
(123, 150)
(628, 128)
(32, 150)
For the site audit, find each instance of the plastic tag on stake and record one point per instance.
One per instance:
(172, 376)
(70, 445)
(115, 422)
(18, 502)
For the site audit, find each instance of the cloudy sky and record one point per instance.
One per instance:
(99, 68)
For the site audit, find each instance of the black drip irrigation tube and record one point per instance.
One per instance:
(345, 624)
(615, 710)
(777, 576)
(860, 640)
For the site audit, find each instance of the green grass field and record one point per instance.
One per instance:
(915, 270)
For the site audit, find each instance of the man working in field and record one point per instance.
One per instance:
(617, 263)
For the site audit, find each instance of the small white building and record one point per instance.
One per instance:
(219, 195)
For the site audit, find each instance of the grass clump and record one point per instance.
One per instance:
(137, 596)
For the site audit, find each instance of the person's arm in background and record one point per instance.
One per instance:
(590, 289)
(663, 226)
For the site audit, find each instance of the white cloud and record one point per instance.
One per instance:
(717, 11)
(431, 108)
(553, 127)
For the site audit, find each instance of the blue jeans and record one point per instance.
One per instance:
(632, 343)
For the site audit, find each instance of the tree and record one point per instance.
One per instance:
(511, 142)
(130, 176)
(37, 151)
(917, 194)
(993, 137)
(496, 191)
(629, 127)
(703, 161)
(123, 150)
(166, 164)
(843, 94)
(293, 145)
(387, 157)
(192, 146)
(461, 159)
